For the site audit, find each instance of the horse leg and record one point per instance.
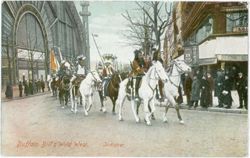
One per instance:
(113, 99)
(152, 108)
(72, 99)
(84, 105)
(165, 120)
(134, 112)
(101, 99)
(90, 103)
(120, 101)
(147, 113)
(177, 108)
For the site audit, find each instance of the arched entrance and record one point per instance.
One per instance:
(31, 45)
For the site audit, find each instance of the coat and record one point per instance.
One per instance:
(227, 98)
(205, 90)
(137, 69)
(187, 85)
(195, 94)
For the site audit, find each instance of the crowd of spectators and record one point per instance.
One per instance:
(199, 87)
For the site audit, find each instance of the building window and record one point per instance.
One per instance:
(237, 22)
(204, 30)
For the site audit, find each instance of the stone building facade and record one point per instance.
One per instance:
(31, 29)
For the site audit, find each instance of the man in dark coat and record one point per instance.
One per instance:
(42, 85)
(204, 102)
(218, 87)
(20, 87)
(31, 90)
(211, 85)
(195, 95)
(241, 86)
(226, 93)
(26, 87)
(188, 87)
(9, 91)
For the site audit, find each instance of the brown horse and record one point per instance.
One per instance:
(54, 86)
(113, 88)
(64, 88)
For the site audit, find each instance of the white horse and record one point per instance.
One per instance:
(171, 87)
(146, 91)
(86, 90)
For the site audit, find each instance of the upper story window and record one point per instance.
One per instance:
(237, 22)
(204, 30)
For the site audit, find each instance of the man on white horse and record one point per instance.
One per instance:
(157, 57)
(80, 71)
(138, 70)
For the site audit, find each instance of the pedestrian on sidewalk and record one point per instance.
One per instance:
(31, 90)
(211, 89)
(26, 88)
(9, 91)
(20, 87)
(188, 87)
(218, 87)
(42, 85)
(241, 87)
(226, 93)
(195, 94)
(204, 101)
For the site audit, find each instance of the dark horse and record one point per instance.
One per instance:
(113, 88)
(64, 88)
(54, 86)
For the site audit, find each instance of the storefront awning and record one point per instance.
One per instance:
(228, 48)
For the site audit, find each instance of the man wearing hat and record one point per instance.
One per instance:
(241, 86)
(138, 70)
(108, 70)
(62, 70)
(80, 71)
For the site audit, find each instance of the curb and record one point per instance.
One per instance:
(215, 109)
(24, 97)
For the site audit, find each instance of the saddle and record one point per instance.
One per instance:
(131, 85)
(106, 83)
(78, 80)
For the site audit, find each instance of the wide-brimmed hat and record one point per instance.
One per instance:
(63, 61)
(107, 62)
(81, 57)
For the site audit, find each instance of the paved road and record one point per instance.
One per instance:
(37, 126)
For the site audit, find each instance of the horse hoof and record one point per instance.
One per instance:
(149, 124)
(153, 117)
(62, 107)
(86, 114)
(181, 122)
(121, 119)
(165, 120)
(104, 111)
(137, 120)
(101, 110)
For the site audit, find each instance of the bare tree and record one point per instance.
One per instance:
(156, 17)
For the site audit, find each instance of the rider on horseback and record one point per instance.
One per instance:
(108, 70)
(138, 70)
(157, 57)
(62, 71)
(80, 71)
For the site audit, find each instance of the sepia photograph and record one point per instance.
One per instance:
(124, 78)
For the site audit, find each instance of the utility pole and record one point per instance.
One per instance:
(85, 14)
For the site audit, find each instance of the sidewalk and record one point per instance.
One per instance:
(16, 94)
(233, 109)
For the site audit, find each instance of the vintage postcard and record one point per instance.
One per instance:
(124, 78)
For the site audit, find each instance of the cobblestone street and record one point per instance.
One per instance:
(38, 126)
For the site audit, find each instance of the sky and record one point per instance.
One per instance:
(107, 22)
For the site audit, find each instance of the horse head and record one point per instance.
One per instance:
(95, 76)
(181, 66)
(159, 71)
